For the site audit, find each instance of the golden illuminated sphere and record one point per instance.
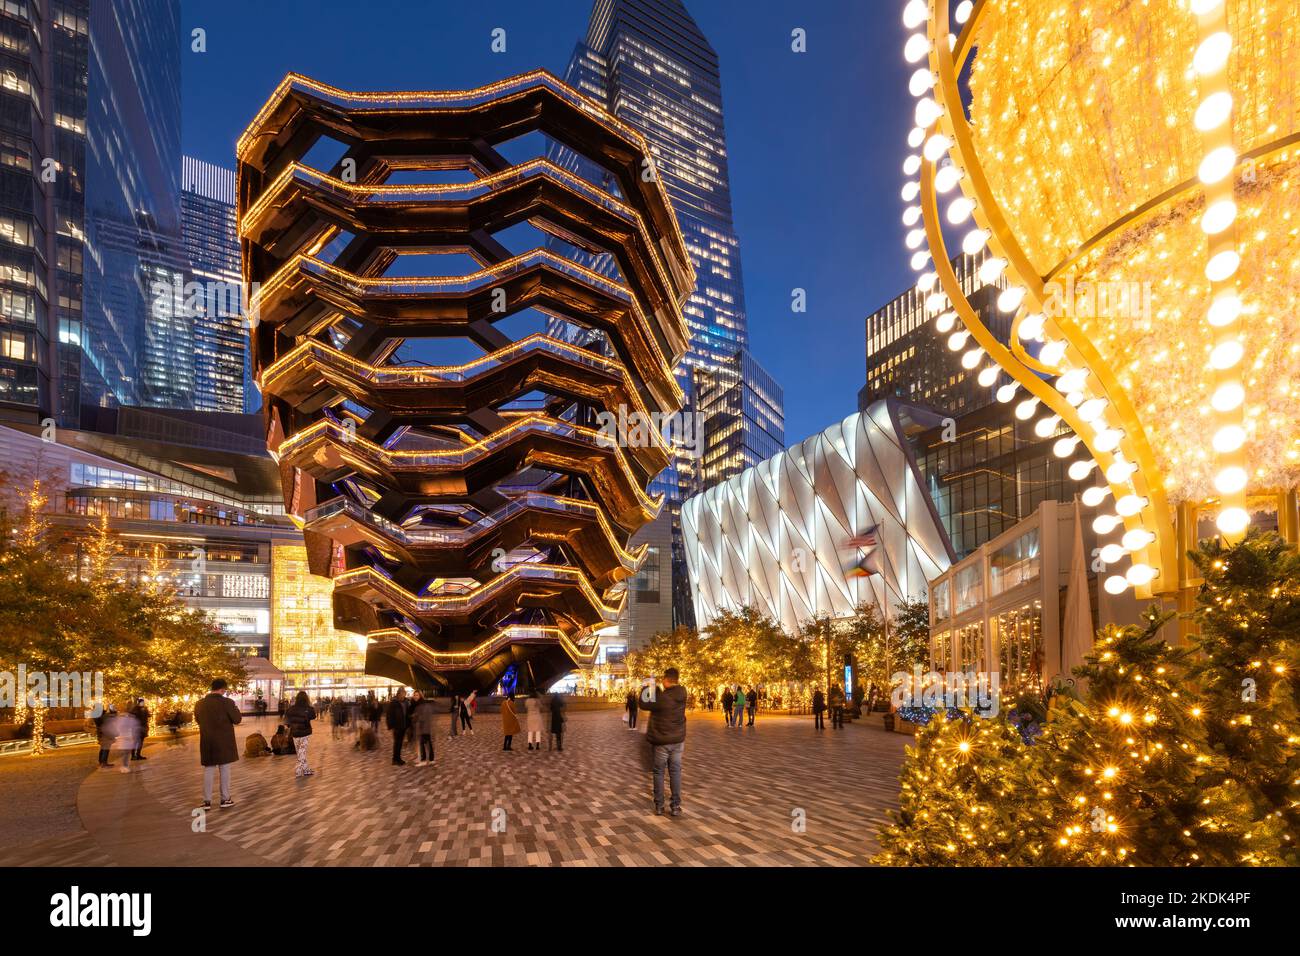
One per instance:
(1082, 118)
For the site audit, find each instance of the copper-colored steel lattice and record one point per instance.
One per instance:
(473, 515)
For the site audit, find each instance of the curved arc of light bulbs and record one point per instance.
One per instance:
(1161, 553)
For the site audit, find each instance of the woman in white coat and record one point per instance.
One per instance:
(536, 721)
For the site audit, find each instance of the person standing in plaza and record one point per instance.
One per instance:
(216, 715)
(509, 721)
(751, 704)
(837, 707)
(423, 715)
(536, 721)
(398, 724)
(104, 724)
(126, 736)
(455, 715)
(666, 733)
(557, 720)
(299, 717)
(738, 713)
(818, 709)
(467, 708)
(141, 711)
(630, 706)
(727, 701)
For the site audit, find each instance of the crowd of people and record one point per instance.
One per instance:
(414, 719)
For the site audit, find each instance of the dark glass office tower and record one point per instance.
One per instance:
(89, 214)
(43, 53)
(744, 421)
(907, 359)
(648, 63)
(135, 345)
(222, 382)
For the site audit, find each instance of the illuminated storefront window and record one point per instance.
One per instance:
(941, 655)
(304, 643)
(969, 588)
(1019, 635)
(1014, 564)
(969, 648)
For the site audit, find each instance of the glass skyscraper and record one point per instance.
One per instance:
(222, 382)
(648, 63)
(89, 208)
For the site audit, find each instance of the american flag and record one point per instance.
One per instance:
(867, 541)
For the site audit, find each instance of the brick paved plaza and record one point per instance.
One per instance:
(589, 805)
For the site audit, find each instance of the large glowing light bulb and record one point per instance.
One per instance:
(916, 49)
(1224, 310)
(974, 241)
(946, 178)
(1217, 164)
(1219, 217)
(1233, 520)
(1064, 447)
(1095, 495)
(1079, 470)
(1213, 111)
(1212, 54)
(1230, 480)
(1105, 524)
(936, 146)
(1137, 539)
(1227, 397)
(1228, 439)
(1140, 574)
(1130, 505)
(959, 210)
(1031, 327)
(1222, 266)
(1226, 354)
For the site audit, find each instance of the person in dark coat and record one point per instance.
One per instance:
(398, 723)
(667, 734)
(299, 717)
(557, 720)
(216, 715)
(455, 715)
(631, 708)
(727, 700)
(422, 716)
(141, 711)
(751, 706)
(103, 733)
(819, 708)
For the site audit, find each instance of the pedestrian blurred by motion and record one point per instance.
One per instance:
(299, 716)
(423, 715)
(536, 721)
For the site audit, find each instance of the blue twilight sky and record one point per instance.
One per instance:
(816, 139)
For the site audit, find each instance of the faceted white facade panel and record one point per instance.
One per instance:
(793, 535)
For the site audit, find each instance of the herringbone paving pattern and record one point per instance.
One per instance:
(780, 793)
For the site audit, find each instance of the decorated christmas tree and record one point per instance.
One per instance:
(1246, 661)
(1178, 756)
